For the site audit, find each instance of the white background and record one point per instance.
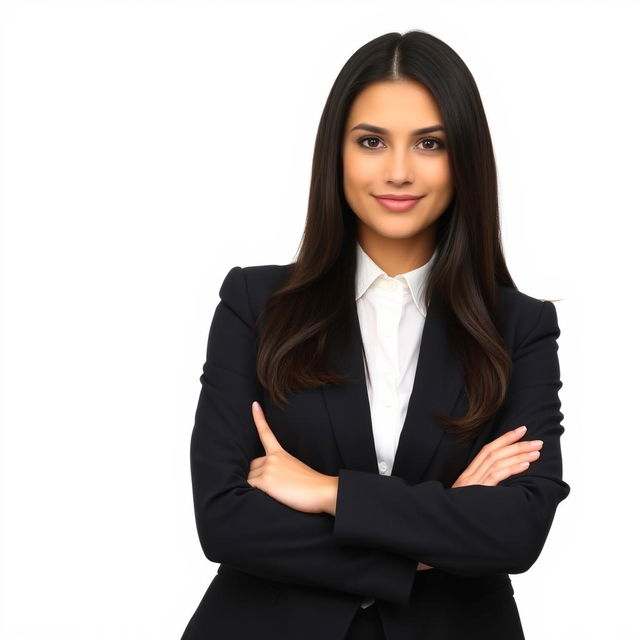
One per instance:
(148, 147)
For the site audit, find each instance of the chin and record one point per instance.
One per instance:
(396, 232)
(396, 228)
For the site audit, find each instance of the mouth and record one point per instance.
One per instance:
(398, 203)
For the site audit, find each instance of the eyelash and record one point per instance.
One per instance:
(360, 140)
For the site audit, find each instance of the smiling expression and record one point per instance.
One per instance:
(395, 143)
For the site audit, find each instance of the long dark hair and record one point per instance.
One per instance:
(318, 295)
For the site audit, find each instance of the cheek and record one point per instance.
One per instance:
(440, 175)
(357, 173)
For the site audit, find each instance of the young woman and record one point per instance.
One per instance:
(380, 486)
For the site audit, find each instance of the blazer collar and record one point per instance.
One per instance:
(437, 386)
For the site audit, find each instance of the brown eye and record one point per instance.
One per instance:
(361, 140)
(433, 140)
(435, 143)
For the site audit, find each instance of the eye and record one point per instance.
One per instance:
(361, 140)
(437, 141)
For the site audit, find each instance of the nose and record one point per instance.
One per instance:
(399, 168)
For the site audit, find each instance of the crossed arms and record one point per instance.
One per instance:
(382, 526)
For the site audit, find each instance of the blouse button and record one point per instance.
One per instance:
(382, 466)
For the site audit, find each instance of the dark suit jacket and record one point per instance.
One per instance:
(288, 574)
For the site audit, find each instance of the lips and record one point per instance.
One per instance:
(397, 203)
(393, 196)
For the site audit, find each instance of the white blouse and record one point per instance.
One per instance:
(391, 313)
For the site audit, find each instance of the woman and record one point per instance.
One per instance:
(380, 487)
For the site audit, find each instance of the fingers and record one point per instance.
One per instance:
(522, 460)
(508, 455)
(498, 474)
(269, 441)
(506, 471)
(504, 440)
(500, 459)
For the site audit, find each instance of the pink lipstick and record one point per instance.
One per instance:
(397, 203)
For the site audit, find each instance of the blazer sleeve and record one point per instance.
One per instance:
(242, 525)
(477, 529)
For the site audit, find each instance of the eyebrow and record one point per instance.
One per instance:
(370, 127)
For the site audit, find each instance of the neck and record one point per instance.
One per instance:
(397, 255)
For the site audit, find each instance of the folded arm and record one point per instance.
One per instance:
(243, 526)
(474, 530)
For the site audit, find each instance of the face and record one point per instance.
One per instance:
(400, 161)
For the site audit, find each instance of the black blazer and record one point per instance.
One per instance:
(286, 574)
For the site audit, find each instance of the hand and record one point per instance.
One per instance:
(499, 460)
(287, 479)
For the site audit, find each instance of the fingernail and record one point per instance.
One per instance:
(255, 404)
(521, 429)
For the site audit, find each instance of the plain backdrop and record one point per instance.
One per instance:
(146, 147)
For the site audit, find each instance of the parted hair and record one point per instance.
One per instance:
(313, 305)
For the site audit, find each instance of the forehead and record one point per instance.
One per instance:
(396, 105)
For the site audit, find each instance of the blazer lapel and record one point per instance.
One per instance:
(438, 384)
(439, 381)
(348, 403)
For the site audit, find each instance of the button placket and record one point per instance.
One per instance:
(394, 378)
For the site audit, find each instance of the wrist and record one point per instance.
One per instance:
(331, 495)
